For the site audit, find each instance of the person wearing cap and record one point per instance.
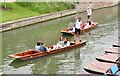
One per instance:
(78, 27)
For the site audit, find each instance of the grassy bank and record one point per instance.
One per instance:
(21, 10)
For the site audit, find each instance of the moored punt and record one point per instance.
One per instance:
(109, 57)
(113, 50)
(82, 31)
(31, 54)
(102, 68)
(116, 45)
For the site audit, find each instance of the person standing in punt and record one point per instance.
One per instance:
(78, 29)
(89, 12)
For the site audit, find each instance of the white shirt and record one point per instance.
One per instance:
(89, 11)
(68, 44)
(78, 24)
(37, 47)
(73, 30)
(87, 26)
(90, 5)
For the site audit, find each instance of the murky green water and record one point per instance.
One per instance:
(68, 62)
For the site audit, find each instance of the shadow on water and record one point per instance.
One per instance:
(22, 63)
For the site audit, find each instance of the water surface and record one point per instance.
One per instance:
(68, 62)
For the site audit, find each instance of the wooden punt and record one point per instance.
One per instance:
(113, 50)
(82, 31)
(109, 57)
(100, 68)
(31, 54)
(116, 45)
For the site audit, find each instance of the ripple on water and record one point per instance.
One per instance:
(70, 62)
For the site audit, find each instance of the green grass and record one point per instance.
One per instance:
(16, 12)
(21, 10)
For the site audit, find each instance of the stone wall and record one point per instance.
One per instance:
(31, 20)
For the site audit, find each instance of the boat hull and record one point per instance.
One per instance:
(116, 45)
(113, 50)
(32, 54)
(82, 31)
(108, 57)
(96, 68)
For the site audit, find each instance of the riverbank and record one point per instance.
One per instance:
(20, 10)
(31, 20)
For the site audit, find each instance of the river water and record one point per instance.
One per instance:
(67, 62)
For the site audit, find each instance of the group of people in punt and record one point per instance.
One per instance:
(82, 26)
(63, 42)
(78, 26)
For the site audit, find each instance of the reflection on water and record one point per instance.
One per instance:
(68, 62)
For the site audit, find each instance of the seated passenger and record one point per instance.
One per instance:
(72, 28)
(69, 28)
(61, 41)
(40, 47)
(60, 44)
(37, 46)
(66, 42)
(88, 25)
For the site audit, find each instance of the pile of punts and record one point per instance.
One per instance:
(32, 54)
(102, 68)
(107, 63)
(113, 50)
(93, 26)
(117, 44)
(108, 57)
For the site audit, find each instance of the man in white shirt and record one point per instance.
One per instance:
(78, 27)
(89, 12)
